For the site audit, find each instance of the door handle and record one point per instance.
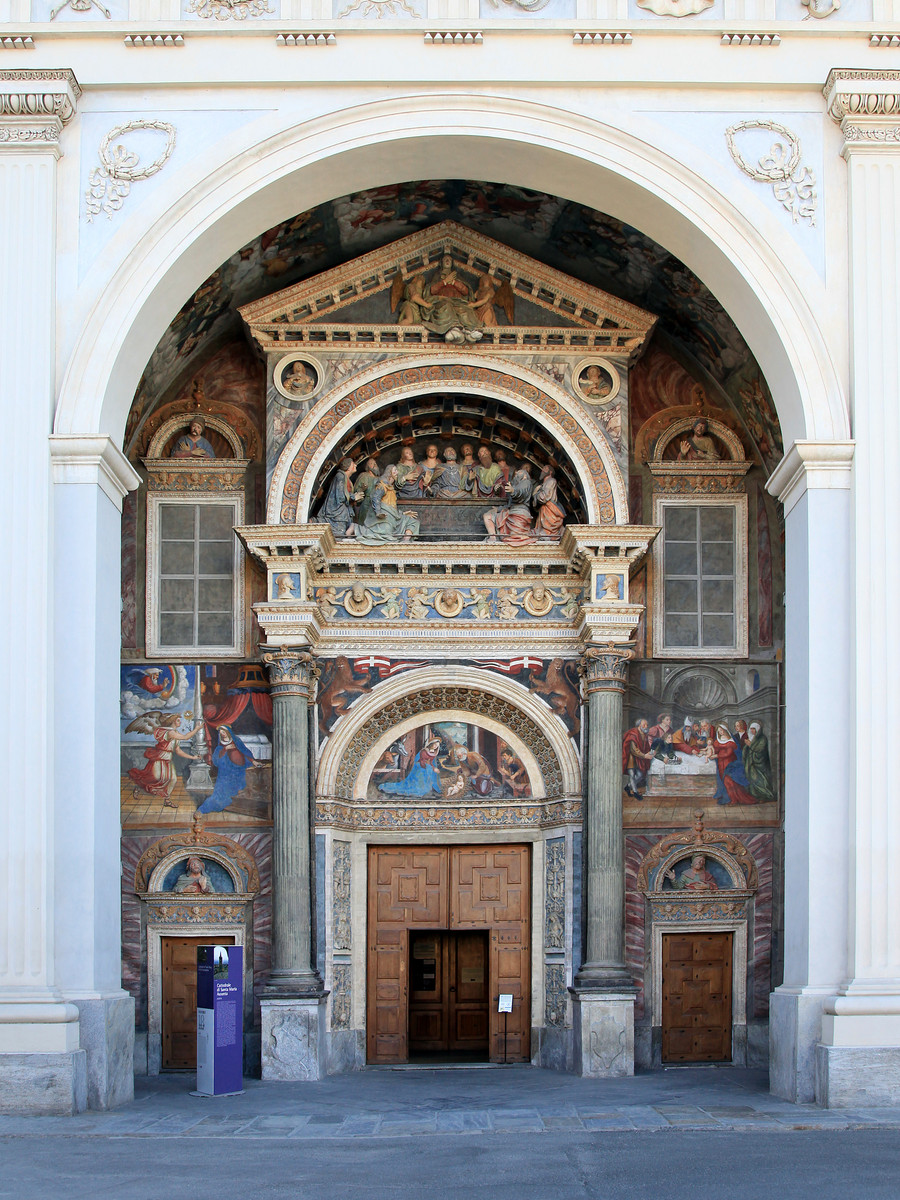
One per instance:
(452, 989)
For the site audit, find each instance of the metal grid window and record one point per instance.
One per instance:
(699, 577)
(197, 561)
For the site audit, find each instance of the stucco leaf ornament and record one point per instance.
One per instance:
(379, 8)
(109, 184)
(229, 10)
(675, 8)
(793, 184)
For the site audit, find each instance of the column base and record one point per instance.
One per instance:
(795, 1027)
(603, 1027)
(43, 1085)
(858, 1076)
(292, 985)
(106, 1026)
(293, 1037)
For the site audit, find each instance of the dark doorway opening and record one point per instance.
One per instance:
(448, 996)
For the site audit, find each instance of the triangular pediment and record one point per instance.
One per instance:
(367, 291)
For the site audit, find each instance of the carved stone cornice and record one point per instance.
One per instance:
(867, 106)
(605, 668)
(291, 673)
(35, 106)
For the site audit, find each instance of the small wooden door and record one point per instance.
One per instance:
(448, 994)
(696, 1007)
(179, 999)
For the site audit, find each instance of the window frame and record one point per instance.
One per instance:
(741, 647)
(234, 500)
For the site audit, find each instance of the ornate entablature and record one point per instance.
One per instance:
(342, 597)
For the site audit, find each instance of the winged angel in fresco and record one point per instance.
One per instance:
(159, 776)
(447, 305)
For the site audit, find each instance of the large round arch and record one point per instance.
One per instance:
(156, 261)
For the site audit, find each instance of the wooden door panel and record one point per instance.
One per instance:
(696, 1016)
(179, 999)
(468, 996)
(485, 888)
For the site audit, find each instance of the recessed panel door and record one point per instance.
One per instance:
(696, 1007)
(179, 999)
(467, 1000)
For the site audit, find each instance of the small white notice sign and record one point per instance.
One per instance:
(505, 1002)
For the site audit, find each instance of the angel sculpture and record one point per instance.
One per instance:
(390, 603)
(447, 305)
(159, 776)
(508, 604)
(418, 602)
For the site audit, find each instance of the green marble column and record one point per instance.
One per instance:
(603, 671)
(291, 676)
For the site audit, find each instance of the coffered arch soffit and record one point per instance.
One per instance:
(322, 429)
(433, 693)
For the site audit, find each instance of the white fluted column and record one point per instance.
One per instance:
(813, 483)
(90, 479)
(859, 1059)
(41, 1066)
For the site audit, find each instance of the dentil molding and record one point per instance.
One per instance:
(35, 106)
(867, 106)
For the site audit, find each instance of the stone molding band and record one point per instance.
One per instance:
(866, 104)
(35, 106)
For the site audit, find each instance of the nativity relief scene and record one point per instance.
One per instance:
(440, 484)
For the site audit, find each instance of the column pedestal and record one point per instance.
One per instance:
(603, 1032)
(293, 1038)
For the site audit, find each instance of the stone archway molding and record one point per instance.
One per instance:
(277, 166)
(444, 689)
(294, 478)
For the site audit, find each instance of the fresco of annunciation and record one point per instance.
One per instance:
(195, 739)
(448, 760)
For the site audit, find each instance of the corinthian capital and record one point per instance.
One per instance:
(35, 106)
(867, 106)
(604, 668)
(291, 672)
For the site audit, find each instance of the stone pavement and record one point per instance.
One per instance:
(418, 1102)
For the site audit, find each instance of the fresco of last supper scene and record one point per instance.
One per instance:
(452, 586)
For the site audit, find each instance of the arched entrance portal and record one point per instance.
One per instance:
(798, 364)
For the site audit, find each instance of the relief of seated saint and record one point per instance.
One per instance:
(193, 444)
(194, 881)
(384, 522)
(512, 522)
(697, 446)
(409, 476)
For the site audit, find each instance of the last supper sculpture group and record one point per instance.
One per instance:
(512, 505)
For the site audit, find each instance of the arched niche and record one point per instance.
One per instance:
(449, 693)
(313, 448)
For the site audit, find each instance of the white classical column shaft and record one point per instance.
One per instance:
(41, 1067)
(859, 1060)
(90, 478)
(813, 483)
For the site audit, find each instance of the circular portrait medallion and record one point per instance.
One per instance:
(297, 379)
(596, 382)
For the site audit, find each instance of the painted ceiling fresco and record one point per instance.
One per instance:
(595, 248)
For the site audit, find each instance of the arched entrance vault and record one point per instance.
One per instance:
(157, 263)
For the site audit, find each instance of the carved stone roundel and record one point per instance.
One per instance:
(434, 700)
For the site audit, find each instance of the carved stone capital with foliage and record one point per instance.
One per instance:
(291, 672)
(605, 668)
(35, 106)
(867, 106)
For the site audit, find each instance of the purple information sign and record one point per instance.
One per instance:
(220, 1020)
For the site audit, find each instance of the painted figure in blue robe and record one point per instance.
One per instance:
(422, 778)
(231, 758)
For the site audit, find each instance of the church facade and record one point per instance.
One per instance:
(455, 528)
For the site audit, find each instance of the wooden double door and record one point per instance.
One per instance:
(449, 932)
(696, 1000)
